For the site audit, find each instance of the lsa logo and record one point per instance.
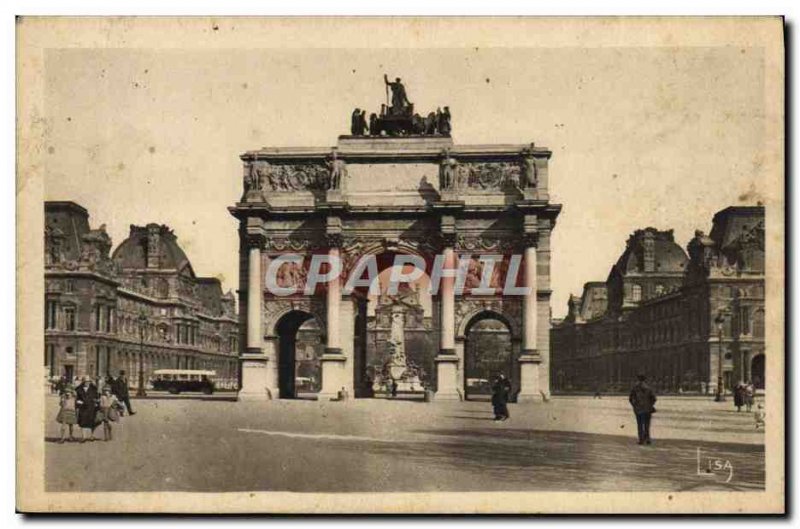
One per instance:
(713, 466)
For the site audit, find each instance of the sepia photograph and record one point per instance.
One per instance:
(400, 265)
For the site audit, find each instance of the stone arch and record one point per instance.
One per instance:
(276, 309)
(471, 309)
(286, 331)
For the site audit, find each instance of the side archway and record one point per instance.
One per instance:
(299, 348)
(488, 352)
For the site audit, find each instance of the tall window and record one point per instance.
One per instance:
(744, 320)
(98, 313)
(636, 293)
(50, 315)
(758, 323)
(69, 318)
(107, 327)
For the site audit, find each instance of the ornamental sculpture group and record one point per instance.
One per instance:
(454, 176)
(331, 174)
(397, 118)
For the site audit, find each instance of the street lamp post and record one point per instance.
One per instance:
(140, 392)
(720, 396)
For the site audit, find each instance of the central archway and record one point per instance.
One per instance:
(488, 352)
(411, 307)
(299, 349)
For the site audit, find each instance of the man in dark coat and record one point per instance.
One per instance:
(643, 399)
(500, 395)
(119, 387)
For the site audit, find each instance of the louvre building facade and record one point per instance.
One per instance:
(677, 316)
(140, 306)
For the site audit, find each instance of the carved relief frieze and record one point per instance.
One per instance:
(490, 176)
(287, 177)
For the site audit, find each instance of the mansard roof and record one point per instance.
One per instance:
(131, 254)
(669, 256)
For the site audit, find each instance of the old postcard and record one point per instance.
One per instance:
(399, 265)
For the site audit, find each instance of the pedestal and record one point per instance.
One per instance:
(255, 383)
(333, 374)
(529, 386)
(447, 387)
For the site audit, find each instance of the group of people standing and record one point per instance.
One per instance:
(744, 395)
(91, 404)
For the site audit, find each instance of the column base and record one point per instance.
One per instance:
(531, 397)
(253, 397)
(446, 375)
(455, 396)
(529, 386)
(333, 376)
(255, 384)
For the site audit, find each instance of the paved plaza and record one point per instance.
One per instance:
(570, 443)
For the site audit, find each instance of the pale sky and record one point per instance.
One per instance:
(661, 137)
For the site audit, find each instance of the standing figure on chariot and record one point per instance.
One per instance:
(400, 102)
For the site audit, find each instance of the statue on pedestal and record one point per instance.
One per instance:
(397, 360)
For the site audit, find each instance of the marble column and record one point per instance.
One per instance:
(447, 387)
(530, 360)
(333, 361)
(253, 360)
(254, 294)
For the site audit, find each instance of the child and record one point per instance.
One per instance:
(108, 412)
(760, 416)
(67, 415)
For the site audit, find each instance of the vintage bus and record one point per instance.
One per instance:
(180, 380)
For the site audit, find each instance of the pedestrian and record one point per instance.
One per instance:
(760, 416)
(500, 395)
(108, 411)
(67, 414)
(643, 399)
(86, 399)
(738, 396)
(749, 395)
(62, 385)
(119, 387)
(394, 388)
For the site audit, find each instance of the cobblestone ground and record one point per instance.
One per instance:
(569, 443)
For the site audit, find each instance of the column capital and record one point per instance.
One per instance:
(530, 239)
(447, 239)
(255, 240)
(334, 240)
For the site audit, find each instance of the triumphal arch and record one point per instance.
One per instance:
(397, 185)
